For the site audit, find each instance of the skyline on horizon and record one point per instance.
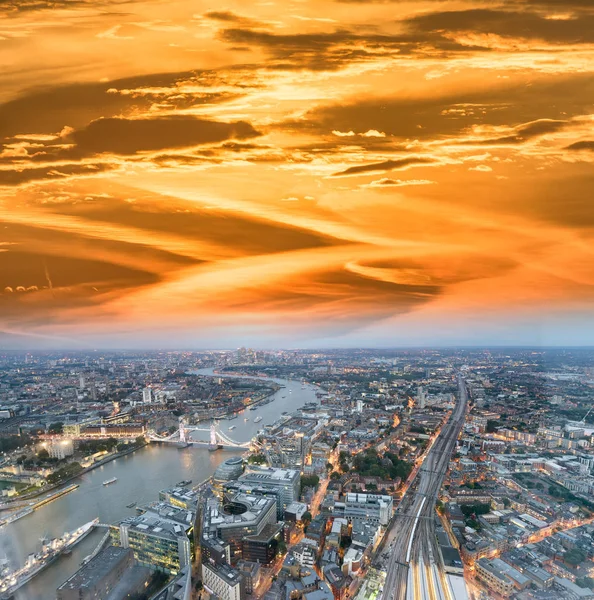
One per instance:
(337, 174)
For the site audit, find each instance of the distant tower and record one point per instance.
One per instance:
(147, 395)
(182, 430)
(421, 397)
(93, 392)
(360, 405)
(81, 382)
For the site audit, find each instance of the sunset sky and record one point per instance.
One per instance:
(292, 173)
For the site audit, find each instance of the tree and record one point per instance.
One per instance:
(309, 481)
(475, 509)
(281, 548)
(574, 557)
(257, 459)
(492, 425)
(329, 466)
(43, 454)
(335, 475)
(56, 428)
(585, 582)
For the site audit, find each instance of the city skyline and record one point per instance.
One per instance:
(296, 174)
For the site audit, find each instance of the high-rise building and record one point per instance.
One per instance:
(81, 382)
(147, 395)
(421, 397)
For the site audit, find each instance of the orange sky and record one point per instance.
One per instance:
(185, 173)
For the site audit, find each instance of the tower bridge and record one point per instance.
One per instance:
(216, 439)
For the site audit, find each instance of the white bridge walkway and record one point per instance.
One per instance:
(216, 438)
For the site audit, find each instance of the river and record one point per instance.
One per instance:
(140, 477)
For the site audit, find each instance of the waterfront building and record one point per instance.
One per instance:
(223, 581)
(180, 497)
(116, 430)
(229, 470)
(111, 575)
(288, 481)
(161, 537)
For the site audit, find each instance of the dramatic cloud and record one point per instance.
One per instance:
(344, 172)
(128, 136)
(386, 165)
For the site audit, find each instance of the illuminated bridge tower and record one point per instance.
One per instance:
(213, 438)
(182, 431)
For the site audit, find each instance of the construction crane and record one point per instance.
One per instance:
(586, 415)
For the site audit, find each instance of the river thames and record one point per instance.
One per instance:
(140, 476)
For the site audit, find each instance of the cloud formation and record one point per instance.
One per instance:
(339, 172)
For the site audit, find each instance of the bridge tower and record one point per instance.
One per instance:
(214, 445)
(182, 431)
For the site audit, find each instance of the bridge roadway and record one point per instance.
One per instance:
(414, 569)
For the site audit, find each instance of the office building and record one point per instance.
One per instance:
(223, 581)
(180, 497)
(160, 537)
(229, 470)
(147, 395)
(494, 577)
(111, 575)
(262, 547)
(251, 572)
(371, 508)
(237, 519)
(232, 488)
(288, 481)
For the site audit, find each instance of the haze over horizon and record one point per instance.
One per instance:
(178, 174)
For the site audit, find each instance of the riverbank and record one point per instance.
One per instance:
(49, 488)
(220, 413)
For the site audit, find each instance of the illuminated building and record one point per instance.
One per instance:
(60, 449)
(228, 470)
(223, 581)
(160, 537)
(287, 480)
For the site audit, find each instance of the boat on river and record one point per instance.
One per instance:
(50, 552)
(16, 516)
(108, 481)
